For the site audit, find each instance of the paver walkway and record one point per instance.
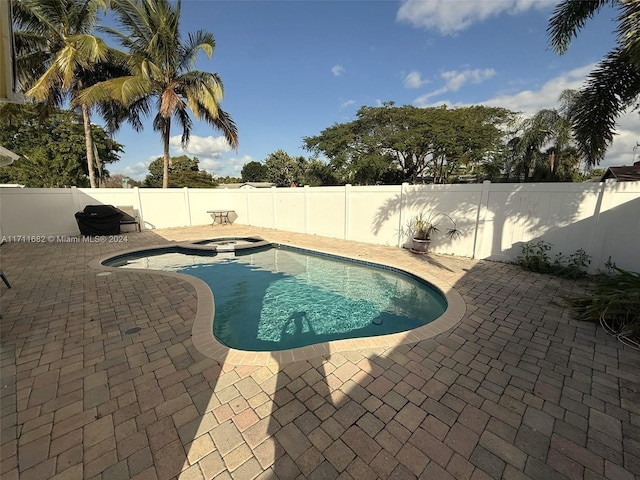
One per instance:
(516, 390)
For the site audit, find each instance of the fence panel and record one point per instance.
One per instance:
(495, 219)
(326, 211)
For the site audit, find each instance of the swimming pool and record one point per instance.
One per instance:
(277, 298)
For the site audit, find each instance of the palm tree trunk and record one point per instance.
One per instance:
(96, 157)
(166, 131)
(88, 139)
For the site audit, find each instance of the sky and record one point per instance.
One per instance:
(292, 68)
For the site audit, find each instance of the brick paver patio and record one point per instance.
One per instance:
(516, 390)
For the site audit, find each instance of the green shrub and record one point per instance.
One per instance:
(535, 258)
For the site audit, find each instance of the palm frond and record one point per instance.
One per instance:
(611, 88)
(37, 16)
(90, 49)
(629, 30)
(568, 18)
(159, 122)
(131, 17)
(200, 40)
(126, 90)
(226, 125)
(86, 14)
(182, 116)
(44, 84)
(170, 102)
(203, 91)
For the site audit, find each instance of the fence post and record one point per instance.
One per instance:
(602, 204)
(481, 217)
(76, 198)
(347, 210)
(403, 189)
(136, 191)
(187, 204)
(306, 208)
(275, 207)
(247, 203)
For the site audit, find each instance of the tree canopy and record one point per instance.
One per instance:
(52, 148)
(58, 55)
(162, 73)
(544, 148)
(184, 172)
(283, 170)
(254, 172)
(390, 144)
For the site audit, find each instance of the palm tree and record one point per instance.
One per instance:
(614, 85)
(57, 53)
(546, 140)
(161, 68)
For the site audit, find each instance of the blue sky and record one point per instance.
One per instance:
(293, 68)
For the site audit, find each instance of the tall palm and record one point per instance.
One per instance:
(161, 68)
(546, 139)
(614, 85)
(57, 53)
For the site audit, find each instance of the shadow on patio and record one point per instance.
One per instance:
(516, 390)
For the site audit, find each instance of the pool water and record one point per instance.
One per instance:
(277, 298)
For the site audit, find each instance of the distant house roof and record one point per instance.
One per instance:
(246, 185)
(623, 174)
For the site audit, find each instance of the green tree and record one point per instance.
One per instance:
(228, 179)
(317, 173)
(545, 149)
(119, 180)
(393, 144)
(283, 170)
(184, 172)
(254, 172)
(162, 70)
(53, 143)
(614, 85)
(57, 55)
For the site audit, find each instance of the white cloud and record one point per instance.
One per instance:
(347, 103)
(337, 70)
(621, 152)
(228, 167)
(454, 80)
(414, 80)
(451, 16)
(212, 147)
(530, 101)
(209, 151)
(137, 171)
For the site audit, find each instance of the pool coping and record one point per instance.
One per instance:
(206, 343)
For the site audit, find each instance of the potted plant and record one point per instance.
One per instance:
(423, 227)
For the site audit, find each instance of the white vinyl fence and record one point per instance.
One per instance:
(495, 219)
